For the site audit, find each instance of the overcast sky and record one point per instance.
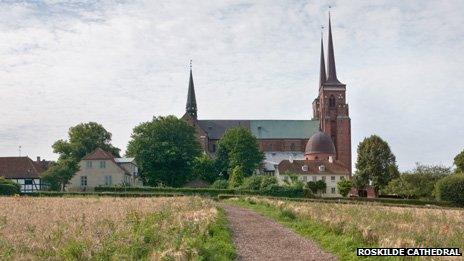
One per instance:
(121, 62)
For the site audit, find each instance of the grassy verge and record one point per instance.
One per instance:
(329, 239)
(218, 245)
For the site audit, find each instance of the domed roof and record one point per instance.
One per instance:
(320, 143)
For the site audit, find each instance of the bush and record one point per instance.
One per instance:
(252, 183)
(451, 188)
(344, 186)
(256, 182)
(220, 184)
(267, 182)
(8, 187)
(236, 177)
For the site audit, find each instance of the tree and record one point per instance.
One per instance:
(83, 139)
(459, 162)
(59, 174)
(344, 186)
(205, 169)
(418, 183)
(375, 163)
(238, 147)
(165, 150)
(236, 177)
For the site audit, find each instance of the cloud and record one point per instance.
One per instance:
(121, 62)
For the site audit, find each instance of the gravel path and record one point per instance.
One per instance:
(259, 238)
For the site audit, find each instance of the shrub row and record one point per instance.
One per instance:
(8, 187)
(398, 202)
(107, 194)
(275, 191)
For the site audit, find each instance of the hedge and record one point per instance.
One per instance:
(100, 194)
(8, 187)
(451, 188)
(391, 202)
(273, 191)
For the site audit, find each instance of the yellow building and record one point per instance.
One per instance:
(101, 168)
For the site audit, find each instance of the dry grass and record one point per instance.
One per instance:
(103, 228)
(382, 225)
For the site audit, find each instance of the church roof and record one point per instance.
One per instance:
(306, 167)
(263, 129)
(217, 128)
(284, 129)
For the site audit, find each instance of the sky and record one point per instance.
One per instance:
(120, 63)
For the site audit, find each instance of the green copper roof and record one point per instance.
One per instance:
(280, 129)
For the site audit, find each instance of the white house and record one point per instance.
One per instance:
(23, 171)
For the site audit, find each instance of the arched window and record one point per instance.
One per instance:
(332, 101)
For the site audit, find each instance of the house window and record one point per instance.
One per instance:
(214, 147)
(342, 178)
(28, 182)
(332, 190)
(305, 178)
(323, 178)
(332, 178)
(83, 181)
(108, 181)
(314, 178)
(88, 164)
(102, 164)
(269, 147)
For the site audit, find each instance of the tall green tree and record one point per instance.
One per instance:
(205, 169)
(375, 163)
(59, 174)
(459, 162)
(83, 139)
(165, 150)
(238, 147)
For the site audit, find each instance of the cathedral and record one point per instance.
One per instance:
(326, 137)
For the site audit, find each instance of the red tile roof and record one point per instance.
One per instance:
(98, 154)
(313, 167)
(19, 167)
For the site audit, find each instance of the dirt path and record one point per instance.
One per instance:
(259, 238)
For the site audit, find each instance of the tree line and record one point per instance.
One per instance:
(168, 154)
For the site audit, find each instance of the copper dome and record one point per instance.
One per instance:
(320, 143)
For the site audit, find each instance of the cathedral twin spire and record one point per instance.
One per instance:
(331, 77)
(324, 79)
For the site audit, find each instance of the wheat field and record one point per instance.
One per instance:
(103, 228)
(385, 226)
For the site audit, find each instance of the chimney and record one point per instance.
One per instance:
(38, 158)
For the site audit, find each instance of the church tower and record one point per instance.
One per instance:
(330, 107)
(191, 106)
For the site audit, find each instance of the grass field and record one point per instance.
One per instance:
(341, 228)
(112, 228)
